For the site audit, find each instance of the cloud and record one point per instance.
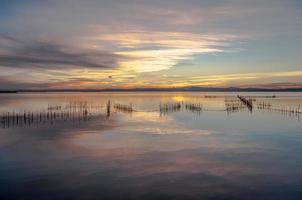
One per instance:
(11, 83)
(53, 42)
(279, 85)
(237, 79)
(47, 55)
(155, 51)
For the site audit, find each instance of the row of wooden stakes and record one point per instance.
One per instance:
(75, 111)
(283, 109)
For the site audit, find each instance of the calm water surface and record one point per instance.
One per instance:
(178, 153)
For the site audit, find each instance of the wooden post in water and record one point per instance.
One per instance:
(108, 109)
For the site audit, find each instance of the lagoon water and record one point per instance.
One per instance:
(145, 154)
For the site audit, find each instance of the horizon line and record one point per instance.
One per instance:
(177, 89)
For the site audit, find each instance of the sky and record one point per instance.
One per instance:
(97, 44)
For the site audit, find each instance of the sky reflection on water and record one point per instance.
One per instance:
(145, 155)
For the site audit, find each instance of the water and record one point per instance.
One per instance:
(147, 154)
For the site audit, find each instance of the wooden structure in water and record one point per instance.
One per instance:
(74, 111)
(282, 109)
(247, 102)
(194, 107)
(123, 108)
(169, 107)
(233, 104)
(108, 108)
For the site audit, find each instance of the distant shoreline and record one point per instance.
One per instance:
(192, 89)
(8, 92)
